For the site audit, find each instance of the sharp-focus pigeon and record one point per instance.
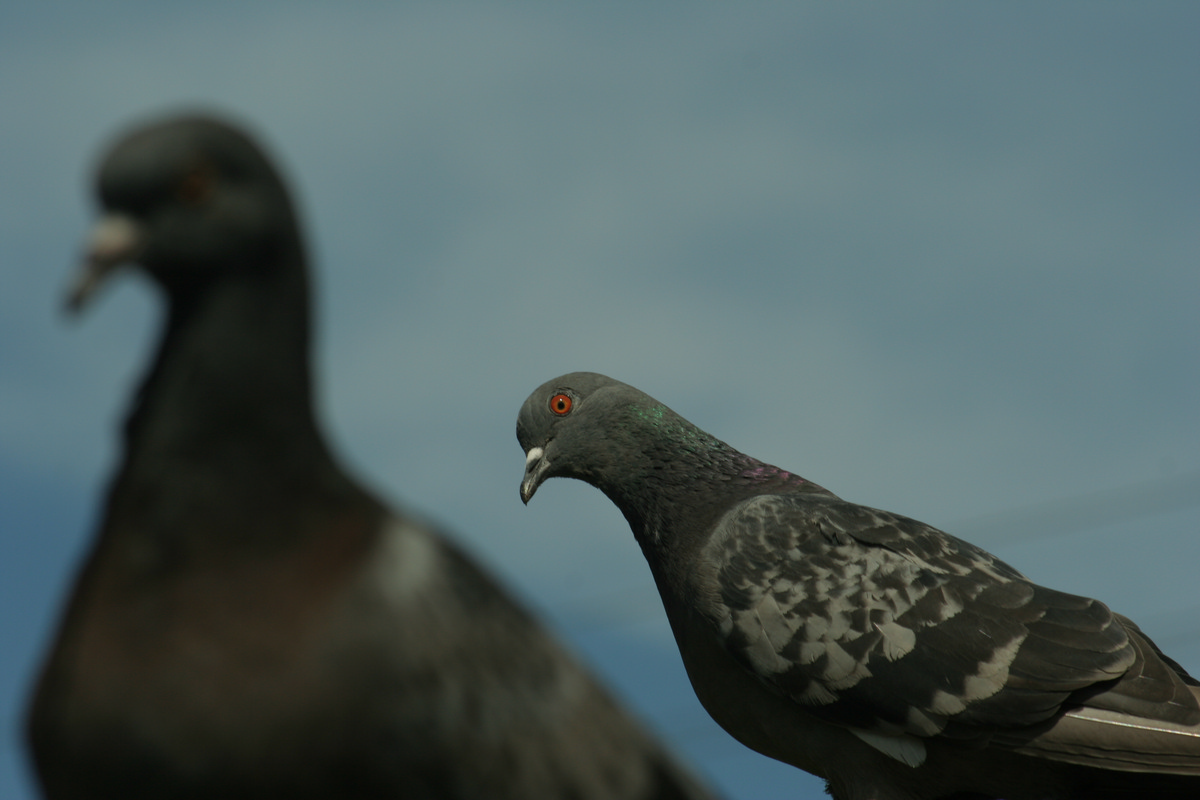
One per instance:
(250, 622)
(890, 658)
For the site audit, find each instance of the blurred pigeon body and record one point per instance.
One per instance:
(890, 658)
(250, 622)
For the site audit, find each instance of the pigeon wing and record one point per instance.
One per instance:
(893, 628)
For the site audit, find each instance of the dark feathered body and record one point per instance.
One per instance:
(895, 660)
(252, 623)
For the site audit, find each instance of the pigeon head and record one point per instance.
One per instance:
(607, 433)
(188, 199)
(650, 462)
(557, 420)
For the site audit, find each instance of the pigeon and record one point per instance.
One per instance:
(893, 660)
(250, 621)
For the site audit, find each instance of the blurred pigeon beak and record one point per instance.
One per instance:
(115, 240)
(536, 465)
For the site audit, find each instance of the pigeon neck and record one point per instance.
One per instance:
(683, 481)
(231, 380)
(672, 512)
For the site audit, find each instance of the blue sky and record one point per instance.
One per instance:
(939, 257)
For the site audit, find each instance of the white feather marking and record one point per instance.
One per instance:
(898, 640)
(905, 749)
(758, 648)
(811, 651)
(765, 626)
(407, 562)
(981, 687)
(815, 628)
(951, 604)
(991, 675)
(840, 665)
(918, 721)
(1106, 717)
(839, 624)
(777, 627)
(816, 694)
(946, 703)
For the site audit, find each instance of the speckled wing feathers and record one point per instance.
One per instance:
(882, 654)
(878, 622)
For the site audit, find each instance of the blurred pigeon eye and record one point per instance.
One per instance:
(561, 404)
(196, 185)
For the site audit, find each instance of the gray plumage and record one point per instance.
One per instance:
(892, 659)
(250, 621)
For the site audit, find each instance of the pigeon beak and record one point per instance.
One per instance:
(115, 240)
(536, 465)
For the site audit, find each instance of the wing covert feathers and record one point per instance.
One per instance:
(891, 628)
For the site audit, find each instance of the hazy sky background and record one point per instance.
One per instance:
(940, 258)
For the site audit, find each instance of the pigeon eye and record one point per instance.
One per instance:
(561, 404)
(196, 185)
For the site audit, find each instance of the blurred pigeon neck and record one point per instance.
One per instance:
(231, 379)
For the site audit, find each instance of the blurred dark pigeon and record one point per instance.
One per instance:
(250, 621)
(888, 657)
